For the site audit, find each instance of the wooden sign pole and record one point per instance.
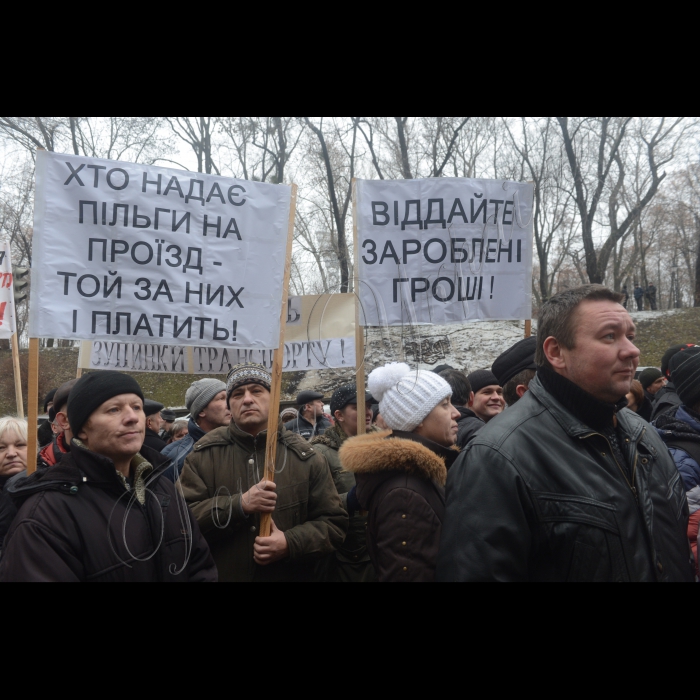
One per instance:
(528, 329)
(360, 378)
(33, 408)
(18, 376)
(277, 366)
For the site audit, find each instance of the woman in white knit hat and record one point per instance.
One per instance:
(401, 473)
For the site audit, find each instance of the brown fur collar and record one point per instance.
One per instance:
(374, 454)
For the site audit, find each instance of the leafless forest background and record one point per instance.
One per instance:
(617, 199)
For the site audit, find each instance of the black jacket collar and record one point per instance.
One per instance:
(582, 405)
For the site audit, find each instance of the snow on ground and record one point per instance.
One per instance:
(468, 347)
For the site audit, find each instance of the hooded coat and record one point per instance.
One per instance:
(82, 522)
(226, 464)
(401, 483)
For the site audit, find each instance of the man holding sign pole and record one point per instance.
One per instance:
(223, 482)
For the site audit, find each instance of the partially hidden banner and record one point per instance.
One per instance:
(8, 322)
(445, 250)
(138, 254)
(320, 335)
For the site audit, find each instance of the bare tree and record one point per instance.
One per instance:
(594, 149)
(338, 181)
(197, 133)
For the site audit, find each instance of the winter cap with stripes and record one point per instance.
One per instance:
(685, 373)
(407, 397)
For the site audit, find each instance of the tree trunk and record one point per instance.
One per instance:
(697, 266)
(403, 144)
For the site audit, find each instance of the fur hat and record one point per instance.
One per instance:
(407, 397)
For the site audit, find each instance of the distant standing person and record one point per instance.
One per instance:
(626, 294)
(153, 425)
(639, 297)
(651, 296)
(310, 422)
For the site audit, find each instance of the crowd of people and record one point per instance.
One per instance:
(558, 463)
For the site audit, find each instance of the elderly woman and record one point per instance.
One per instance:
(401, 473)
(13, 461)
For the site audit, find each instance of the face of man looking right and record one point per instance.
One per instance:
(604, 360)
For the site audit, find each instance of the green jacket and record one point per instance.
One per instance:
(352, 562)
(226, 464)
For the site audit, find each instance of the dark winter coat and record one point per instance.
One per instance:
(401, 483)
(81, 521)
(7, 512)
(469, 426)
(153, 441)
(681, 433)
(52, 454)
(666, 401)
(226, 464)
(179, 451)
(45, 434)
(302, 427)
(540, 496)
(351, 563)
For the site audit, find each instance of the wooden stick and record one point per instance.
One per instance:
(528, 329)
(277, 364)
(79, 373)
(18, 376)
(33, 408)
(360, 378)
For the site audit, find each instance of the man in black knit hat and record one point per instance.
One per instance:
(487, 402)
(667, 400)
(568, 485)
(105, 513)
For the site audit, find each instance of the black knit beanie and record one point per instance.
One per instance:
(481, 379)
(92, 391)
(685, 373)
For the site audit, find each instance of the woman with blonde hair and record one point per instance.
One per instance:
(13, 461)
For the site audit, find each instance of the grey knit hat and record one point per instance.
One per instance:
(201, 394)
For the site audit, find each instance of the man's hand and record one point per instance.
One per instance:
(270, 550)
(260, 499)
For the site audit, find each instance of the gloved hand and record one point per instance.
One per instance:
(353, 504)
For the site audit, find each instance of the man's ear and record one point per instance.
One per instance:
(471, 399)
(62, 421)
(553, 353)
(338, 415)
(521, 390)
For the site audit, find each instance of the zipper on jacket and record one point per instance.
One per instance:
(631, 485)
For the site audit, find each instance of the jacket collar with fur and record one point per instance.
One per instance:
(380, 453)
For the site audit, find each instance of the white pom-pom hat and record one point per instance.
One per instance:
(407, 397)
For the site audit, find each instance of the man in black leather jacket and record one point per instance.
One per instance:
(568, 485)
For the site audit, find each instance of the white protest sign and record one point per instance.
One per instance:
(140, 254)
(444, 250)
(320, 336)
(8, 323)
